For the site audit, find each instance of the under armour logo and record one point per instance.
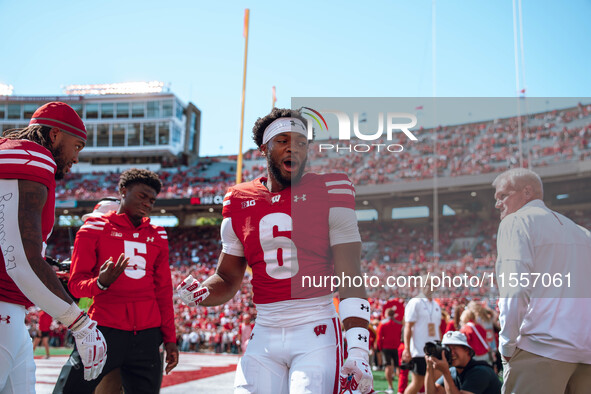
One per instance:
(275, 199)
(292, 122)
(362, 338)
(365, 307)
(135, 235)
(298, 198)
(5, 318)
(321, 329)
(150, 239)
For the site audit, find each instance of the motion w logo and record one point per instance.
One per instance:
(321, 329)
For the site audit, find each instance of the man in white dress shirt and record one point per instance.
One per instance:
(545, 339)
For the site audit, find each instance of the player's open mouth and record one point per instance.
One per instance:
(290, 165)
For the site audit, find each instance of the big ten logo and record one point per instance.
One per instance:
(391, 122)
(249, 203)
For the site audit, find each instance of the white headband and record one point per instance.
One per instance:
(284, 125)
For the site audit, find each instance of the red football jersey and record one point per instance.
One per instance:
(141, 297)
(23, 159)
(285, 235)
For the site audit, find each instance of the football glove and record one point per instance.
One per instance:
(190, 292)
(356, 374)
(91, 346)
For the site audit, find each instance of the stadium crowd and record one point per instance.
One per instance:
(400, 249)
(467, 149)
(393, 250)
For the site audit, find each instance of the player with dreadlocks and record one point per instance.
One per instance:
(31, 159)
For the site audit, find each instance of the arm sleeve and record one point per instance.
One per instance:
(343, 226)
(85, 267)
(514, 256)
(230, 242)
(163, 289)
(17, 265)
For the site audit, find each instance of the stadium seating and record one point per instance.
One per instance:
(467, 149)
(400, 248)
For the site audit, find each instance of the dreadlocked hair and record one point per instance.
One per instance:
(138, 175)
(35, 133)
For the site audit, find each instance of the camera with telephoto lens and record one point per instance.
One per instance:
(61, 265)
(435, 348)
(63, 272)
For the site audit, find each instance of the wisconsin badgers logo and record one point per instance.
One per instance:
(321, 329)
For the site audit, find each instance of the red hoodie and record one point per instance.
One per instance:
(141, 297)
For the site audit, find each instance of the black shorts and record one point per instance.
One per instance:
(138, 357)
(43, 334)
(420, 366)
(390, 357)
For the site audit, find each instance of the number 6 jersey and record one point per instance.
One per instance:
(286, 237)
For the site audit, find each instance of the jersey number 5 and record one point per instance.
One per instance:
(281, 255)
(137, 264)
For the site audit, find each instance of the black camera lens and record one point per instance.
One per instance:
(435, 348)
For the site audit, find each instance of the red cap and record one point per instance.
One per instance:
(60, 115)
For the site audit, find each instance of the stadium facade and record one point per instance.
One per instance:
(123, 129)
(156, 130)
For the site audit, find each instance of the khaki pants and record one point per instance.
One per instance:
(529, 373)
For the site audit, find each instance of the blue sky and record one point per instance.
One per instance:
(305, 49)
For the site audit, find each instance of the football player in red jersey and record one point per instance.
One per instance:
(133, 296)
(31, 159)
(293, 229)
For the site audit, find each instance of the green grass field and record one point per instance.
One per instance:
(379, 381)
(53, 351)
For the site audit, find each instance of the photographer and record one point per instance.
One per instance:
(470, 376)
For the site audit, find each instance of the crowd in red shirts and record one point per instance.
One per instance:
(558, 136)
(398, 249)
